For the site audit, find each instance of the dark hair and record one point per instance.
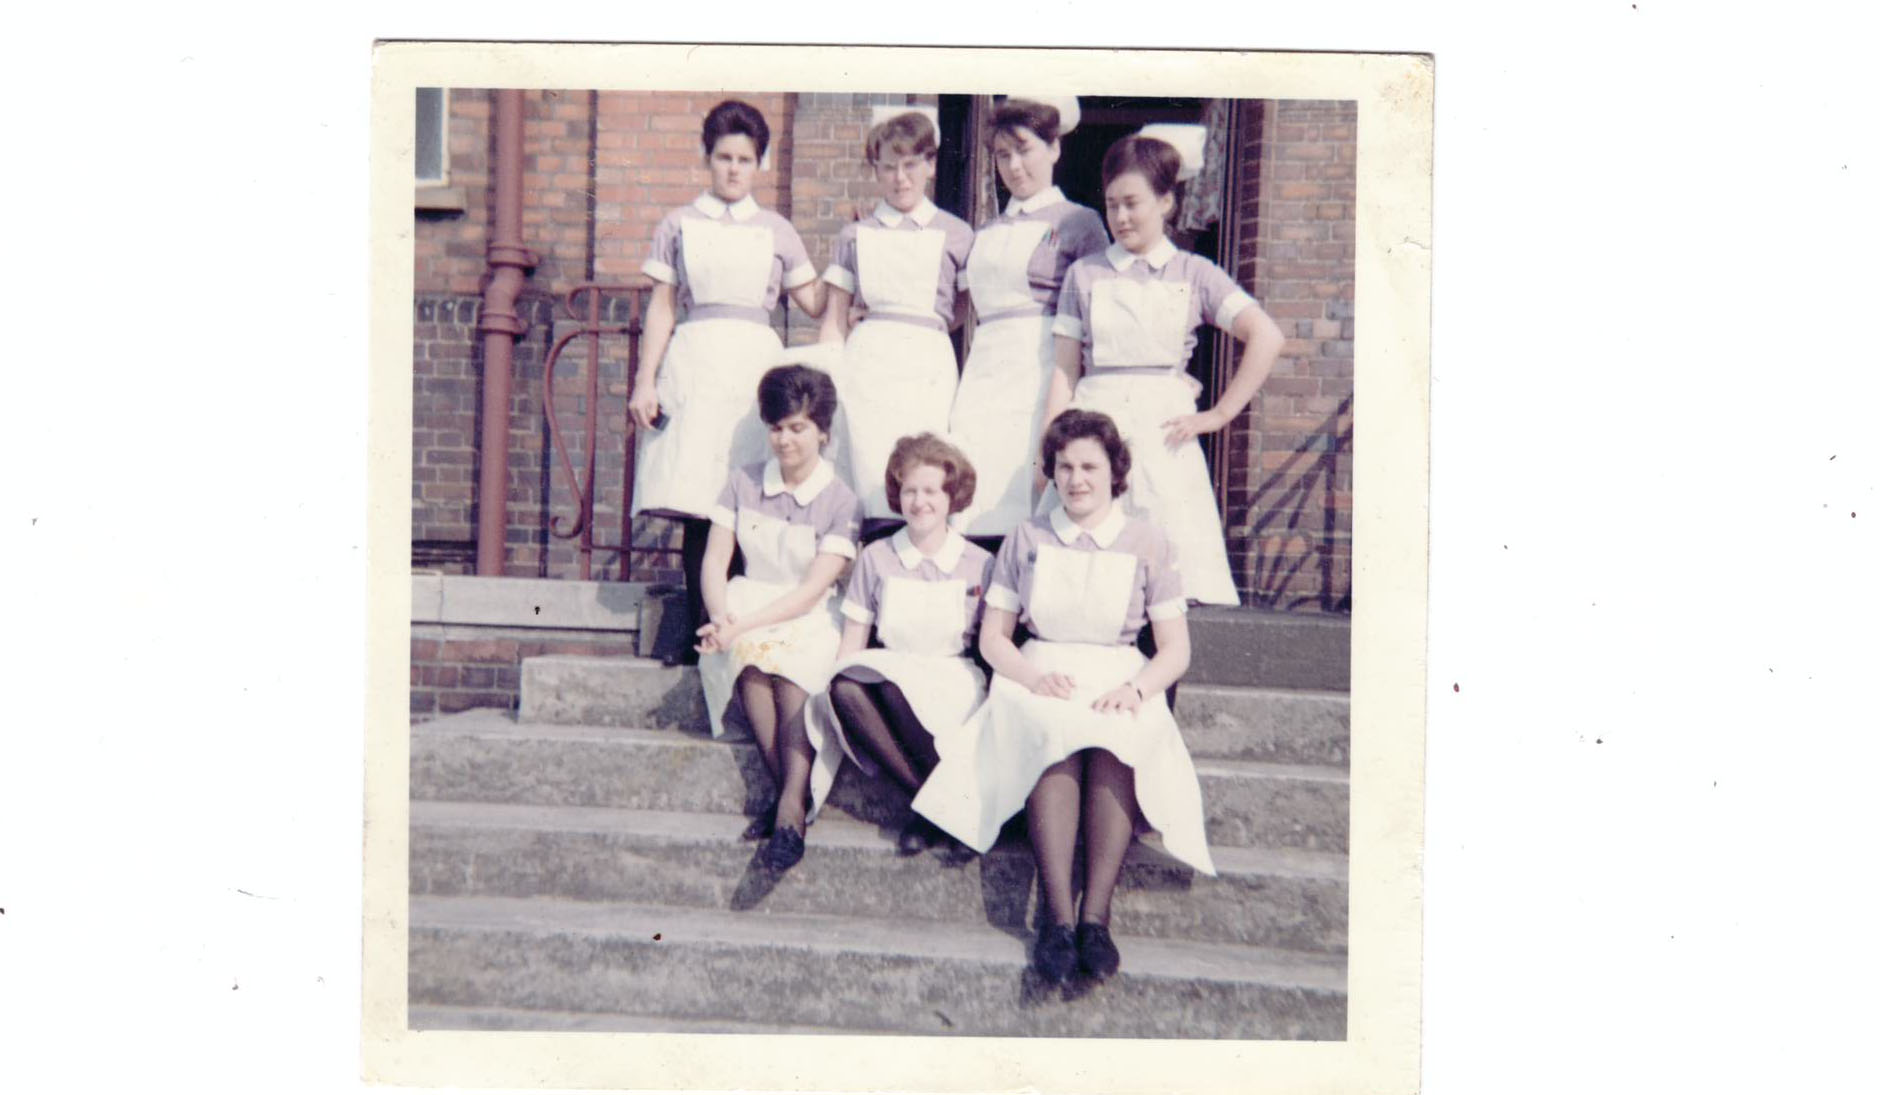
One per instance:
(958, 476)
(1075, 425)
(909, 134)
(1014, 114)
(788, 389)
(1155, 160)
(732, 117)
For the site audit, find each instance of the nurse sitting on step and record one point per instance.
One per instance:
(1014, 273)
(718, 266)
(774, 631)
(900, 264)
(1076, 728)
(1126, 327)
(921, 591)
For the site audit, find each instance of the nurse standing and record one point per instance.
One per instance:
(901, 264)
(1076, 727)
(718, 266)
(1126, 327)
(921, 591)
(1014, 273)
(773, 632)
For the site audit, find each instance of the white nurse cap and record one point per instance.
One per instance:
(1190, 143)
(882, 113)
(1068, 114)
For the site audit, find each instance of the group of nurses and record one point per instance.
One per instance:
(1076, 375)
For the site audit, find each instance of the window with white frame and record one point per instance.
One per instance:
(433, 136)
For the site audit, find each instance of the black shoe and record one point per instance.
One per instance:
(784, 851)
(917, 836)
(761, 825)
(1056, 956)
(952, 853)
(1095, 952)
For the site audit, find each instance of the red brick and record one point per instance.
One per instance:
(478, 650)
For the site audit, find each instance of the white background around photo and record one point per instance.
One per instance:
(1655, 527)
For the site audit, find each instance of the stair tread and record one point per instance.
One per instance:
(834, 935)
(450, 1017)
(495, 723)
(831, 830)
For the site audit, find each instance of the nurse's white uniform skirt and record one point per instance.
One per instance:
(989, 768)
(997, 418)
(896, 379)
(942, 689)
(708, 388)
(801, 651)
(1172, 489)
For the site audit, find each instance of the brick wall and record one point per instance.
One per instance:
(455, 667)
(1289, 480)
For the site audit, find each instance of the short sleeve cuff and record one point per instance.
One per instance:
(854, 611)
(1173, 609)
(1068, 326)
(1231, 308)
(836, 545)
(799, 275)
(723, 517)
(659, 271)
(1002, 598)
(840, 277)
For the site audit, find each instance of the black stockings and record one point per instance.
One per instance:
(775, 707)
(879, 720)
(1097, 790)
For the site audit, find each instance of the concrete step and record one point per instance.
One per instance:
(484, 756)
(1266, 649)
(848, 973)
(1218, 720)
(1287, 899)
(421, 1017)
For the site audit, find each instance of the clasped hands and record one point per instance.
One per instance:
(1059, 686)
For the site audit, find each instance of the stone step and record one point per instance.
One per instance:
(1262, 648)
(1253, 647)
(1218, 720)
(848, 973)
(484, 756)
(422, 1017)
(1286, 899)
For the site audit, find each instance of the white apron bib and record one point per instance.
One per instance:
(727, 263)
(1138, 323)
(999, 267)
(1080, 596)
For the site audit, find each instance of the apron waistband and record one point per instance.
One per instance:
(932, 323)
(1168, 371)
(748, 312)
(1026, 310)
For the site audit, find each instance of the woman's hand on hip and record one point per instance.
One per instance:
(1185, 428)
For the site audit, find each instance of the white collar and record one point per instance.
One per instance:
(1104, 534)
(714, 207)
(923, 213)
(946, 558)
(1043, 199)
(803, 492)
(1157, 257)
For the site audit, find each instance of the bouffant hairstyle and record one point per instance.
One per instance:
(958, 476)
(1155, 160)
(788, 389)
(1016, 114)
(1075, 425)
(909, 134)
(735, 116)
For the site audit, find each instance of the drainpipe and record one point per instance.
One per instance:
(500, 326)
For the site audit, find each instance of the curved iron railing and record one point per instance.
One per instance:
(584, 304)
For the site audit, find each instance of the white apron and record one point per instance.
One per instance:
(919, 625)
(896, 378)
(777, 554)
(1139, 324)
(708, 380)
(998, 414)
(989, 768)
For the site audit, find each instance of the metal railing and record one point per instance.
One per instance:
(585, 305)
